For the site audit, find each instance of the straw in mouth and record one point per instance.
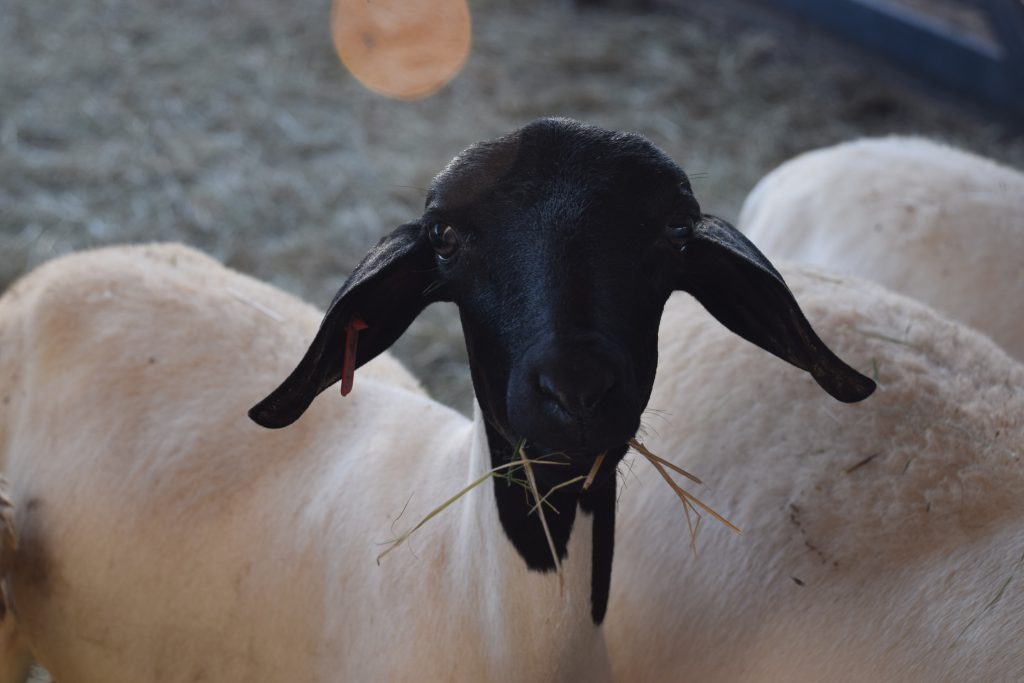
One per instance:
(690, 502)
(504, 471)
(692, 506)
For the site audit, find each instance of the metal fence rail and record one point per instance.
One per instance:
(973, 66)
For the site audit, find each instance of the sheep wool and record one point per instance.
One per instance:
(926, 220)
(151, 511)
(881, 541)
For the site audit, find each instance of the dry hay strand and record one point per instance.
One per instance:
(593, 471)
(538, 505)
(502, 471)
(544, 498)
(690, 502)
(8, 531)
(692, 506)
(587, 480)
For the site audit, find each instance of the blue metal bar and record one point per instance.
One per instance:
(966, 63)
(1006, 18)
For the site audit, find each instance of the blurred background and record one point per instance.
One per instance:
(234, 125)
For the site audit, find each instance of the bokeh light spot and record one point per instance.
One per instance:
(405, 49)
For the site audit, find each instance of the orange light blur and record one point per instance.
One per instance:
(406, 49)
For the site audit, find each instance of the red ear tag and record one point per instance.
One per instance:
(348, 363)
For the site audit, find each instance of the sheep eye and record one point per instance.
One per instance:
(443, 239)
(679, 235)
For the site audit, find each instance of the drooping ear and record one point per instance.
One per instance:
(387, 290)
(740, 287)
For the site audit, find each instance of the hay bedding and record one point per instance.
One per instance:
(230, 125)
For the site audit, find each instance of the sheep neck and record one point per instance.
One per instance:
(522, 525)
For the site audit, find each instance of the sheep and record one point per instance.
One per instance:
(162, 536)
(151, 279)
(930, 221)
(881, 542)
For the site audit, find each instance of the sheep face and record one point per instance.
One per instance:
(555, 242)
(560, 243)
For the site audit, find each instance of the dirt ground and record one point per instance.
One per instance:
(231, 125)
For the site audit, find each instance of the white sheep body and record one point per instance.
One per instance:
(164, 536)
(881, 541)
(926, 220)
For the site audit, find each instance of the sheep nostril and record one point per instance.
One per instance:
(576, 393)
(549, 388)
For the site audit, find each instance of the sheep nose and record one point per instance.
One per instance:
(578, 389)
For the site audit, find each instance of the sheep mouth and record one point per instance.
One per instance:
(569, 465)
(584, 441)
(577, 436)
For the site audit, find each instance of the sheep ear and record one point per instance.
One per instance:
(386, 291)
(741, 288)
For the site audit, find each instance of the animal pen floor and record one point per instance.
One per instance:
(232, 126)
